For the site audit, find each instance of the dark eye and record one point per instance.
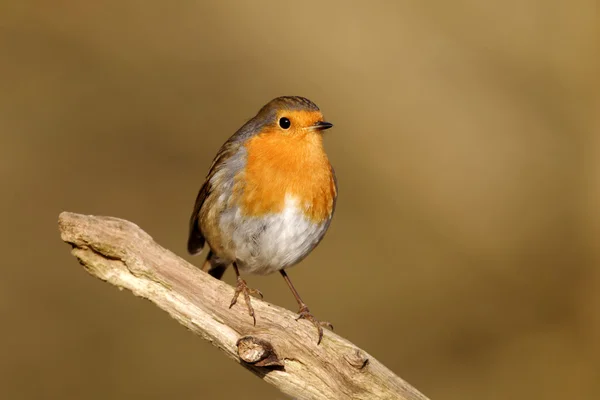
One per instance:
(284, 123)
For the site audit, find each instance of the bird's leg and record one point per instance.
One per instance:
(242, 287)
(304, 312)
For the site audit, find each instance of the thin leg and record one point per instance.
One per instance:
(241, 287)
(304, 312)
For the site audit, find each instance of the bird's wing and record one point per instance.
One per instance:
(196, 238)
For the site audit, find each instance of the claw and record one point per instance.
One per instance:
(304, 313)
(242, 287)
(256, 293)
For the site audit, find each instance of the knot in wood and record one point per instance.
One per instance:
(257, 352)
(357, 359)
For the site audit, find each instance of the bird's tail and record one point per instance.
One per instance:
(214, 266)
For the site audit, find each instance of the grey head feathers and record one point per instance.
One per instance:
(292, 103)
(268, 113)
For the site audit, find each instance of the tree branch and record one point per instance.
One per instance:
(279, 349)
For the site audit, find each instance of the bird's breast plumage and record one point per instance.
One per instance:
(279, 167)
(280, 204)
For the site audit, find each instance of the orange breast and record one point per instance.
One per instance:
(280, 165)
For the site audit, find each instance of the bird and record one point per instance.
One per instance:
(268, 198)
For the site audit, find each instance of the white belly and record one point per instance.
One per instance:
(262, 245)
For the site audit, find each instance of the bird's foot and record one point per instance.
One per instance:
(304, 313)
(242, 287)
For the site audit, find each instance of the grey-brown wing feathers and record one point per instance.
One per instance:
(196, 238)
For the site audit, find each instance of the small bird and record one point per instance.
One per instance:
(268, 198)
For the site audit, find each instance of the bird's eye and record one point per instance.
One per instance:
(284, 123)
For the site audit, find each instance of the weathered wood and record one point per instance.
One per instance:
(279, 349)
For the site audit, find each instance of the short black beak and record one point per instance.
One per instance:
(322, 125)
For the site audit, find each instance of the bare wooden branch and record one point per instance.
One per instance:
(279, 349)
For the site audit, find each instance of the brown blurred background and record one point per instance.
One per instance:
(467, 150)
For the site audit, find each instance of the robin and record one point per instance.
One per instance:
(268, 198)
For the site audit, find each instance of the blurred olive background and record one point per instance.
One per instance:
(464, 250)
